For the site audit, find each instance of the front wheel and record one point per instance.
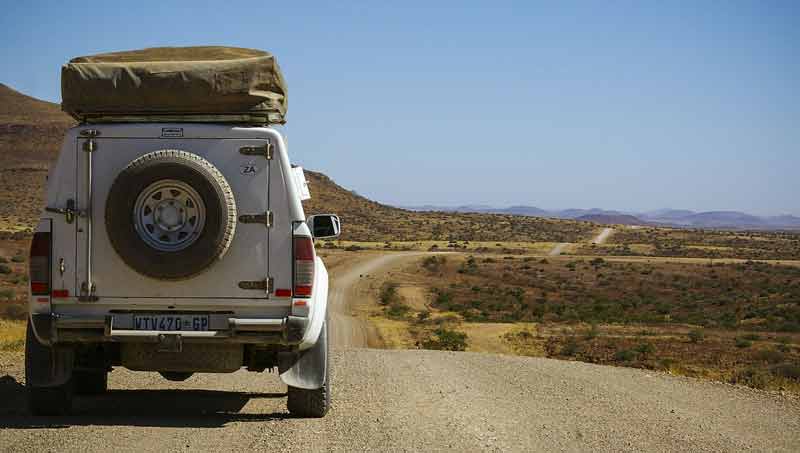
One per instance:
(316, 402)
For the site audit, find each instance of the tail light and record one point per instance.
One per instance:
(40, 264)
(303, 266)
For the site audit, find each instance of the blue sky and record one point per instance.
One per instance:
(621, 105)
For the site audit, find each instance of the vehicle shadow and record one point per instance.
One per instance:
(152, 408)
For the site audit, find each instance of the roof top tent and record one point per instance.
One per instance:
(176, 84)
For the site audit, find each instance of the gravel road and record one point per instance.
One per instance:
(603, 236)
(558, 249)
(411, 401)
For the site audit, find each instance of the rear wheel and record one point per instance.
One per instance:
(56, 400)
(316, 402)
(90, 382)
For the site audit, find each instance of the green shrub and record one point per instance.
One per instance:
(18, 259)
(645, 348)
(742, 342)
(625, 355)
(353, 248)
(388, 294)
(5, 269)
(570, 347)
(446, 340)
(397, 310)
(751, 337)
(3, 259)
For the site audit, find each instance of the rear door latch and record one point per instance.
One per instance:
(264, 151)
(263, 285)
(263, 219)
(69, 212)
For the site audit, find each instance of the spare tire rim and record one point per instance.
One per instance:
(169, 215)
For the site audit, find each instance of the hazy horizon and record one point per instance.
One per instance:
(585, 208)
(626, 106)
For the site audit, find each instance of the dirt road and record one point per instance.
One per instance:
(411, 401)
(347, 331)
(603, 236)
(558, 249)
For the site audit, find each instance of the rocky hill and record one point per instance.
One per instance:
(31, 131)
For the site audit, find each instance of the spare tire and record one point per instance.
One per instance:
(170, 215)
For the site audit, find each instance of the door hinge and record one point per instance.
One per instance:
(263, 285)
(265, 151)
(90, 145)
(264, 219)
(88, 294)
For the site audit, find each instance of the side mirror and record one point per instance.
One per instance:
(324, 226)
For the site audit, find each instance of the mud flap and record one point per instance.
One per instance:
(47, 366)
(307, 369)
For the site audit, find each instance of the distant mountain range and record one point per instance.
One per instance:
(662, 217)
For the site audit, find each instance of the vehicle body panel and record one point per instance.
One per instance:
(121, 290)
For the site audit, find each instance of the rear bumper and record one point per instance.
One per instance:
(52, 329)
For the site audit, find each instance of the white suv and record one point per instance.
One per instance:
(176, 248)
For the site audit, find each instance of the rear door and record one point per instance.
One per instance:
(246, 259)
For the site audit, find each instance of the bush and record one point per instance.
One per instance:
(625, 355)
(446, 340)
(696, 336)
(769, 356)
(5, 269)
(352, 248)
(14, 311)
(3, 259)
(787, 370)
(742, 343)
(751, 337)
(751, 377)
(397, 310)
(423, 316)
(7, 294)
(433, 263)
(645, 348)
(388, 294)
(18, 259)
(593, 332)
(570, 347)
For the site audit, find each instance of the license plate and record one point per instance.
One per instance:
(171, 322)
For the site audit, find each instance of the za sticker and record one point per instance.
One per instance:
(249, 169)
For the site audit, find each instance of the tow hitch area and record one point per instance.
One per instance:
(170, 343)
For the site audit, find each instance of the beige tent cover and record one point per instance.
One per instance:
(219, 84)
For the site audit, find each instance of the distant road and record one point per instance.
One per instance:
(558, 249)
(411, 401)
(603, 236)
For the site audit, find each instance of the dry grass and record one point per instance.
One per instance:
(740, 349)
(12, 335)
